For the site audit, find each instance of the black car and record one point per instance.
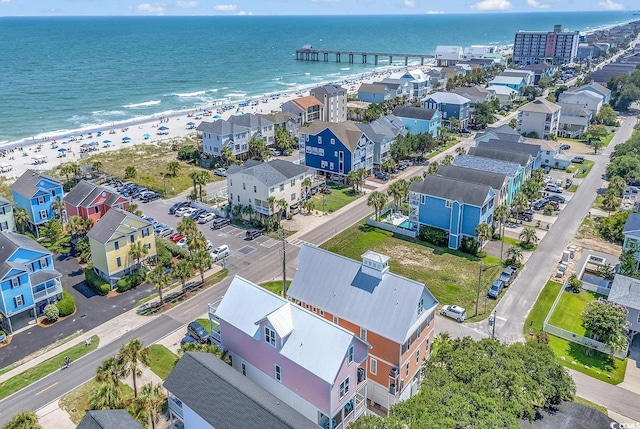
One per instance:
(526, 215)
(539, 205)
(556, 198)
(565, 147)
(195, 215)
(252, 233)
(178, 205)
(381, 175)
(187, 339)
(149, 196)
(197, 332)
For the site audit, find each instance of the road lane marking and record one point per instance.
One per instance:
(46, 388)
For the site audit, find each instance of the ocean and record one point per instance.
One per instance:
(59, 74)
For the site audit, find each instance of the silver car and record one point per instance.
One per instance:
(454, 312)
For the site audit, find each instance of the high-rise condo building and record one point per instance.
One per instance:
(534, 47)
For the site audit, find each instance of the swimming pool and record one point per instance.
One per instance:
(406, 225)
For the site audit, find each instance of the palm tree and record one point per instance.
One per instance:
(173, 167)
(528, 236)
(248, 210)
(196, 241)
(282, 207)
(65, 169)
(483, 232)
(500, 213)
(133, 356)
(75, 170)
(227, 156)
(515, 254)
(377, 200)
(361, 175)
(106, 397)
(617, 185)
(433, 168)
(447, 160)
(309, 205)
(187, 226)
(537, 175)
(272, 204)
(388, 165)
(352, 178)
(306, 184)
(21, 217)
(150, 402)
(133, 208)
(137, 250)
(58, 207)
(397, 191)
(201, 261)
(201, 179)
(183, 271)
(610, 201)
(97, 165)
(194, 177)
(461, 151)
(23, 420)
(159, 278)
(79, 226)
(111, 370)
(415, 179)
(130, 172)
(520, 203)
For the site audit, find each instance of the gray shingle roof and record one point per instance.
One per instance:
(250, 120)
(387, 306)
(26, 184)
(509, 169)
(272, 172)
(221, 127)
(625, 291)
(329, 89)
(374, 88)
(4, 202)
(474, 93)
(573, 110)
(474, 194)
(108, 419)
(9, 243)
(43, 276)
(568, 415)
(518, 158)
(539, 105)
(414, 112)
(226, 399)
(347, 132)
(83, 192)
(503, 130)
(104, 229)
(279, 118)
(509, 146)
(632, 224)
(495, 180)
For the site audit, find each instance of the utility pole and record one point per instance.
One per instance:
(284, 263)
(504, 219)
(478, 290)
(493, 332)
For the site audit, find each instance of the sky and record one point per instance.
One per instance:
(297, 7)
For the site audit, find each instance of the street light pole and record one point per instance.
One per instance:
(478, 290)
(493, 332)
(284, 263)
(504, 219)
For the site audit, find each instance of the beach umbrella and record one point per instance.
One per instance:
(163, 128)
(106, 141)
(62, 149)
(239, 112)
(191, 123)
(93, 144)
(146, 135)
(217, 116)
(126, 139)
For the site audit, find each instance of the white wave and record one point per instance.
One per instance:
(146, 103)
(236, 94)
(189, 94)
(307, 74)
(108, 113)
(277, 78)
(345, 68)
(213, 90)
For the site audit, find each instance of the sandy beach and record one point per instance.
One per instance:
(45, 153)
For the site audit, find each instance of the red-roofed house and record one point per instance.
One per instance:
(308, 108)
(91, 201)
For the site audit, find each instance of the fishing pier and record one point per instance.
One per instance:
(307, 53)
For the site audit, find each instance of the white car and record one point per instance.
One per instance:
(220, 252)
(190, 211)
(206, 217)
(454, 312)
(179, 212)
(220, 172)
(182, 242)
(209, 245)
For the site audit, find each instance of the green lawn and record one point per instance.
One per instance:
(275, 286)
(569, 308)
(588, 164)
(452, 276)
(599, 365)
(161, 360)
(586, 402)
(339, 197)
(510, 241)
(55, 363)
(77, 402)
(572, 188)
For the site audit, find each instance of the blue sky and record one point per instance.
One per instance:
(297, 7)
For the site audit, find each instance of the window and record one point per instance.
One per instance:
(321, 313)
(373, 366)
(282, 187)
(419, 331)
(44, 214)
(272, 190)
(420, 306)
(335, 319)
(116, 245)
(278, 373)
(406, 370)
(423, 199)
(118, 261)
(333, 141)
(132, 238)
(350, 354)
(319, 140)
(426, 345)
(255, 189)
(244, 369)
(145, 232)
(363, 334)
(293, 182)
(293, 196)
(448, 204)
(4, 226)
(96, 209)
(18, 300)
(244, 185)
(344, 388)
(44, 263)
(15, 282)
(270, 336)
(417, 356)
(40, 200)
(230, 197)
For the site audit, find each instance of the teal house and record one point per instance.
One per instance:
(28, 280)
(35, 192)
(418, 120)
(7, 222)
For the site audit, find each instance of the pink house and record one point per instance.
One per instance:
(91, 201)
(299, 357)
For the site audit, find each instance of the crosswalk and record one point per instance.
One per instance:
(298, 243)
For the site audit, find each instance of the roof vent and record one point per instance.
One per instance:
(375, 264)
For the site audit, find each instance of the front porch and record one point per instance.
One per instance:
(352, 410)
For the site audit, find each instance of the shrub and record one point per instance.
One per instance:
(611, 227)
(163, 254)
(51, 313)
(173, 248)
(132, 280)
(96, 282)
(470, 245)
(548, 209)
(574, 283)
(433, 235)
(542, 337)
(67, 305)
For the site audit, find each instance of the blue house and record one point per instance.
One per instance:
(419, 120)
(35, 192)
(514, 172)
(375, 92)
(450, 105)
(524, 159)
(452, 205)
(28, 280)
(383, 132)
(531, 149)
(336, 147)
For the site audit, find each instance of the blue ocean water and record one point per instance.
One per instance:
(65, 73)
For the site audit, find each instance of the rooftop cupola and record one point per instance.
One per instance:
(374, 264)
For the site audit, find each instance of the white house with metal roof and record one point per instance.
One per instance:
(626, 292)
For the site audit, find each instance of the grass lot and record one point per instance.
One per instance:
(589, 229)
(275, 286)
(76, 402)
(34, 374)
(510, 241)
(588, 164)
(442, 148)
(452, 276)
(151, 163)
(5, 188)
(586, 402)
(567, 312)
(572, 188)
(161, 360)
(339, 197)
(598, 365)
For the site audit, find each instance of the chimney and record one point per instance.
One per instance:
(374, 264)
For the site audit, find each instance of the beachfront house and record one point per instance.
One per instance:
(383, 132)
(513, 171)
(221, 133)
(452, 205)
(308, 109)
(306, 361)
(253, 183)
(334, 100)
(336, 148)
(394, 314)
(417, 80)
(375, 92)
(36, 192)
(419, 120)
(448, 55)
(111, 239)
(259, 127)
(583, 98)
(7, 221)
(199, 376)
(574, 120)
(451, 106)
(287, 121)
(539, 118)
(91, 201)
(28, 281)
(498, 182)
(626, 292)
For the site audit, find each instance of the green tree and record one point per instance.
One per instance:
(23, 420)
(607, 116)
(625, 166)
(608, 322)
(528, 236)
(514, 254)
(183, 271)
(78, 226)
(58, 208)
(616, 186)
(149, 403)
(133, 356)
(137, 250)
(461, 151)
(283, 140)
(258, 149)
(111, 370)
(160, 279)
(628, 264)
(574, 283)
(130, 172)
(173, 167)
(500, 214)
(611, 202)
(133, 208)
(306, 184)
(388, 165)
(447, 160)
(377, 200)
(106, 397)
(201, 261)
(520, 203)
(227, 156)
(21, 216)
(611, 227)
(483, 232)
(597, 145)
(398, 190)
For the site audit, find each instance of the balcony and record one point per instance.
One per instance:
(175, 405)
(51, 288)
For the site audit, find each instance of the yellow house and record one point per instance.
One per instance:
(110, 240)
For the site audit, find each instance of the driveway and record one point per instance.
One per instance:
(91, 310)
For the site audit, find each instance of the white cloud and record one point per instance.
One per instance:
(5, 1)
(187, 4)
(226, 8)
(611, 5)
(155, 8)
(493, 5)
(434, 12)
(537, 4)
(409, 3)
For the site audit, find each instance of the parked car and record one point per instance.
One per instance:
(189, 211)
(182, 242)
(578, 160)
(196, 214)
(565, 147)
(164, 232)
(568, 183)
(553, 188)
(539, 205)
(220, 172)
(557, 198)
(176, 206)
(496, 288)
(149, 196)
(454, 312)
(381, 175)
(175, 237)
(526, 215)
(158, 226)
(252, 233)
(208, 245)
(182, 210)
(188, 339)
(206, 217)
(508, 275)
(138, 191)
(465, 131)
(220, 222)
(197, 332)
(220, 252)
(325, 189)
